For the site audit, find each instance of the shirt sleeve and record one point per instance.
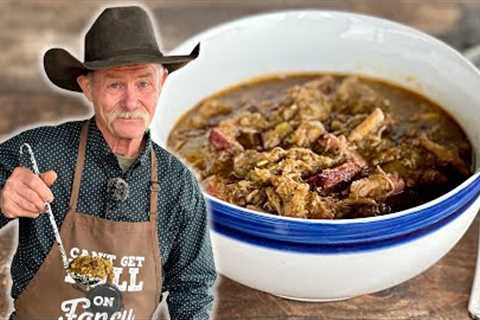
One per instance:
(8, 162)
(190, 274)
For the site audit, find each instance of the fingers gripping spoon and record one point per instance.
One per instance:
(84, 280)
(58, 239)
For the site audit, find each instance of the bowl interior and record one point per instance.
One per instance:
(298, 41)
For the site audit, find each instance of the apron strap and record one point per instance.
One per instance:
(154, 185)
(154, 188)
(79, 166)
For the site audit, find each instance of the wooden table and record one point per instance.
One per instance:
(27, 28)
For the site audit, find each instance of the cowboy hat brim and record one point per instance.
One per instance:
(63, 69)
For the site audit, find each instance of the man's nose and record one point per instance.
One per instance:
(131, 97)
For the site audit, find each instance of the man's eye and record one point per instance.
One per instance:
(144, 84)
(114, 85)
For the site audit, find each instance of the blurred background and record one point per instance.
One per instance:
(29, 27)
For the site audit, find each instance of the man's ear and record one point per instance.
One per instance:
(163, 76)
(84, 83)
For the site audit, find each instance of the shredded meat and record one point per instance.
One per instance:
(369, 125)
(273, 137)
(352, 89)
(448, 156)
(307, 133)
(377, 186)
(334, 145)
(320, 207)
(312, 102)
(215, 186)
(293, 194)
(432, 176)
(326, 147)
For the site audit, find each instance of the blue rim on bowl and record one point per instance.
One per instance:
(325, 236)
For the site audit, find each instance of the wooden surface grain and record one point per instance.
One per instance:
(28, 28)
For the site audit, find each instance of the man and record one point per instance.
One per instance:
(113, 191)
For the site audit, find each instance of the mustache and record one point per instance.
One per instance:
(145, 116)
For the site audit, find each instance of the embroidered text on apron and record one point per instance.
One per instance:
(137, 265)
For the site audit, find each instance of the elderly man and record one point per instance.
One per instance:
(113, 191)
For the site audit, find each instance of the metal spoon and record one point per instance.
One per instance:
(58, 239)
(85, 281)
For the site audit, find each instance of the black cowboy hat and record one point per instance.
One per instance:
(119, 36)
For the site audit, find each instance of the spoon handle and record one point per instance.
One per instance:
(58, 239)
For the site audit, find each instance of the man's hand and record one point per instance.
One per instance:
(25, 194)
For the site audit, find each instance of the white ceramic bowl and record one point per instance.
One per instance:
(329, 260)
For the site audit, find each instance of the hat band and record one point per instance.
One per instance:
(148, 51)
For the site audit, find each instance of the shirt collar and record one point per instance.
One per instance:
(102, 151)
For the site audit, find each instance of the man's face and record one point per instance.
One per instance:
(124, 98)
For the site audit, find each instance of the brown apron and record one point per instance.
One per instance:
(134, 246)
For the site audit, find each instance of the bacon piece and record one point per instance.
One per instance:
(330, 178)
(221, 141)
